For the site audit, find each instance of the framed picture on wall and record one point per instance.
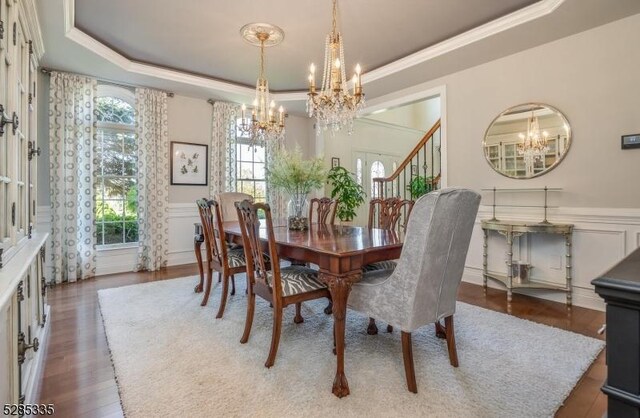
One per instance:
(189, 164)
(335, 162)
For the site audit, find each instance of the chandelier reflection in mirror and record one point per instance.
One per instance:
(534, 144)
(264, 124)
(334, 106)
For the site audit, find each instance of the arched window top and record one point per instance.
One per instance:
(114, 105)
(114, 110)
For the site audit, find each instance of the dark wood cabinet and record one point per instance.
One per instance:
(620, 288)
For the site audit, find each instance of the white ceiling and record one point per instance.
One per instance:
(199, 39)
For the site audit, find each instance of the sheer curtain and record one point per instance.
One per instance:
(223, 136)
(73, 238)
(153, 179)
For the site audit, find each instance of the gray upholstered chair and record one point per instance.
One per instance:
(228, 201)
(423, 287)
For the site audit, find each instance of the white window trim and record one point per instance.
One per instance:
(128, 96)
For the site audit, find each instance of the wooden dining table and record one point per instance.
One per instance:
(340, 252)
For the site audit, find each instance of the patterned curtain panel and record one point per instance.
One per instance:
(153, 179)
(73, 238)
(223, 137)
(276, 198)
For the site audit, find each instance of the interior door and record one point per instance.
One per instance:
(370, 165)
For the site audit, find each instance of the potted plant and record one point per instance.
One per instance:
(347, 191)
(296, 176)
(419, 186)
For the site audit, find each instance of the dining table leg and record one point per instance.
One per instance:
(339, 288)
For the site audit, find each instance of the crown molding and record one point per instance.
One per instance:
(31, 15)
(519, 17)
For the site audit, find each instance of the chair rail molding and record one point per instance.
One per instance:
(519, 17)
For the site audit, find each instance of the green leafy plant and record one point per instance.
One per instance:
(288, 171)
(349, 193)
(419, 186)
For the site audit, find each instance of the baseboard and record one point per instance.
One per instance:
(585, 298)
(32, 392)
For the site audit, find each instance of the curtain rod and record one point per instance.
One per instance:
(48, 71)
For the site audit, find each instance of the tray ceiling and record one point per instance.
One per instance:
(202, 37)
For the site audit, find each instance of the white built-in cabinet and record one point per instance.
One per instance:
(23, 307)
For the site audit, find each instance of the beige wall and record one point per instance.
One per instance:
(420, 115)
(592, 77)
(189, 120)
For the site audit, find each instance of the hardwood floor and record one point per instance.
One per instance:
(78, 377)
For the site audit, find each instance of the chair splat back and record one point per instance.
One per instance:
(212, 227)
(250, 228)
(386, 213)
(325, 210)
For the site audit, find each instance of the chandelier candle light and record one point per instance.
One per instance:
(333, 105)
(263, 124)
(534, 145)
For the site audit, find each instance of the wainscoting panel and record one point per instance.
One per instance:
(601, 237)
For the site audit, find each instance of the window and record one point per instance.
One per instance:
(116, 209)
(377, 170)
(250, 168)
(359, 171)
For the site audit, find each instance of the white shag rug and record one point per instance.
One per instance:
(173, 358)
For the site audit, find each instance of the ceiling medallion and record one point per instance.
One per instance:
(333, 105)
(263, 124)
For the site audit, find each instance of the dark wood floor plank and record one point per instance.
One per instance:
(78, 376)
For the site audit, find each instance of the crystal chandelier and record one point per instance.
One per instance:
(534, 144)
(263, 125)
(333, 105)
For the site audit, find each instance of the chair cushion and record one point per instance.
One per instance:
(373, 277)
(380, 265)
(236, 258)
(297, 279)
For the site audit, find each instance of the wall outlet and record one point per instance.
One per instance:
(555, 262)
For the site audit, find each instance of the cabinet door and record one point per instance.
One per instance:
(8, 351)
(5, 176)
(21, 91)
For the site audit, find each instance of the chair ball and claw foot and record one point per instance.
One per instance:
(422, 289)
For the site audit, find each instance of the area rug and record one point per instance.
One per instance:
(172, 358)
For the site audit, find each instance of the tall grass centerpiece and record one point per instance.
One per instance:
(289, 172)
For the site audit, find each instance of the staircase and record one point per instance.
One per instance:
(418, 174)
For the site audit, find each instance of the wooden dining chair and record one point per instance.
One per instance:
(225, 260)
(422, 288)
(282, 286)
(323, 211)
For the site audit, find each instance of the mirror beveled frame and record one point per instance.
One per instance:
(529, 104)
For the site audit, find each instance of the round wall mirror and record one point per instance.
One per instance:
(527, 141)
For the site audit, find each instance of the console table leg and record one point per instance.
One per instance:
(568, 267)
(509, 237)
(485, 268)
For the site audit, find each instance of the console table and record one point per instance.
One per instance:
(620, 289)
(513, 229)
